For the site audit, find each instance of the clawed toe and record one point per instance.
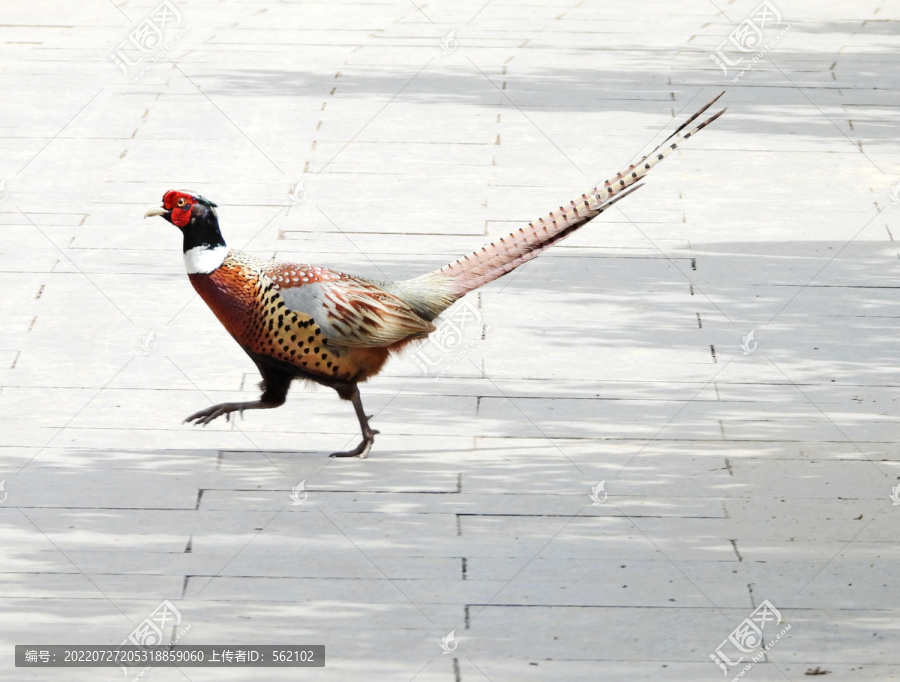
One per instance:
(361, 450)
(204, 417)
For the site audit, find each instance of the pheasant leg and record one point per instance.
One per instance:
(275, 384)
(368, 433)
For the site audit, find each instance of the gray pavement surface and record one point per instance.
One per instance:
(597, 474)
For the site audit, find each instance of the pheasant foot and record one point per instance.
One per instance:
(204, 417)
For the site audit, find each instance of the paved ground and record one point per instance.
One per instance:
(385, 138)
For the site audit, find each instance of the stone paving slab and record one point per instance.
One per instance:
(604, 482)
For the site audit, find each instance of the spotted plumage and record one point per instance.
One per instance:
(280, 310)
(308, 322)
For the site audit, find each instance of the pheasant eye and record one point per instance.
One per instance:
(181, 202)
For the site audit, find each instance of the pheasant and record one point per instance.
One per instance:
(308, 322)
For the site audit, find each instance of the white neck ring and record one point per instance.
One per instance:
(202, 260)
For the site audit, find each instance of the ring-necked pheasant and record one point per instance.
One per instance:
(308, 322)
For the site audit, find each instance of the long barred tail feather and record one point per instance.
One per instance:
(642, 167)
(433, 292)
(505, 255)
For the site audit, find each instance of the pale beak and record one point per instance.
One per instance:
(156, 211)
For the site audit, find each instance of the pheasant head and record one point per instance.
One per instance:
(204, 248)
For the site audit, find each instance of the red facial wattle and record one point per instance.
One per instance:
(181, 216)
(179, 205)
